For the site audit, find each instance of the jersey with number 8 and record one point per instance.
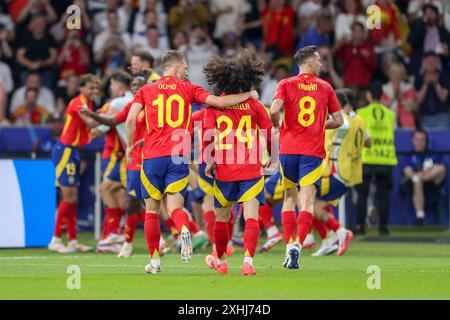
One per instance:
(307, 102)
(168, 107)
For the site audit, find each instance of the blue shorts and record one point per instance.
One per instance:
(299, 170)
(134, 184)
(67, 162)
(205, 184)
(331, 190)
(228, 193)
(161, 175)
(115, 169)
(274, 186)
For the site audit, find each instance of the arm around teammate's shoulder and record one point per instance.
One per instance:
(230, 100)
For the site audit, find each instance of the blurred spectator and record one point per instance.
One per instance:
(188, 14)
(388, 37)
(226, 15)
(6, 24)
(307, 13)
(141, 21)
(150, 20)
(6, 80)
(426, 171)
(415, 8)
(101, 20)
(73, 56)
(153, 42)
(382, 72)
(318, 35)
(36, 51)
(59, 30)
(250, 25)
(428, 35)
(199, 51)
(327, 71)
(22, 11)
(432, 87)
(30, 113)
(143, 61)
(179, 41)
(45, 96)
(278, 28)
(353, 12)
(5, 49)
(64, 95)
(400, 96)
(279, 73)
(111, 46)
(357, 54)
(230, 45)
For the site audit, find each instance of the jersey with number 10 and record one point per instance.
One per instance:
(307, 101)
(168, 109)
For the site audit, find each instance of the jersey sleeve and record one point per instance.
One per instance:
(263, 120)
(198, 94)
(281, 91)
(139, 98)
(122, 115)
(333, 102)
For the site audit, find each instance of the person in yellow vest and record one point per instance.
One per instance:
(378, 160)
(343, 170)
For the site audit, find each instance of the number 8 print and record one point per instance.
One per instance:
(307, 111)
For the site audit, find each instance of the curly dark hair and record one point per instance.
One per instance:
(236, 74)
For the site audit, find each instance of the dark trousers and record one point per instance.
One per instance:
(383, 181)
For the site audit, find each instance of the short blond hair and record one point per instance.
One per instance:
(88, 78)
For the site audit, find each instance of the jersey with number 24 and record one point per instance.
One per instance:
(307, 101)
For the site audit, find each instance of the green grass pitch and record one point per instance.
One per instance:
(408, 271)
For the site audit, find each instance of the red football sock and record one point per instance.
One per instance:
(304, 224)
(332, 223)
(266, 216)
(221, 238)
(251, 235)
(72, 222)
(61, 218)
(231, 225)
(289, 223)
(170, 225)
(210, 219)
(193, 227)
(180, 218)
(142, 216)
(320, 227)
(116, 216)
(131, 221)
(105, 227)
(152, 234)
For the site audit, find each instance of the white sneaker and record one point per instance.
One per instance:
(186, 245)
(74, 247)
(328, 246)
(126, 251)
(112, 238)
(291, 260)
(153, 269)
(310, 242)
(56, 245)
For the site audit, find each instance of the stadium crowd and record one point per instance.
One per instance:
(41, 61)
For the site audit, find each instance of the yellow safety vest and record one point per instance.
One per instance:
(380, 122)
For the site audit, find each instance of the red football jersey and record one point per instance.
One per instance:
(307, 102)
(168, 109)
(136, 153)
(113, 147)
(237, 148)
(197, 125)
(75, 131)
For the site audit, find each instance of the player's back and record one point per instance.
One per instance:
(308, 100)
(167, 112)
(237, 148)
(75, 131)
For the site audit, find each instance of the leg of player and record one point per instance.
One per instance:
(344, 236)
(170, 226)
(152, 232)
(210, 217)
(329, 239)
(289, 220)
(221, 235)
(175, 202)
(251, 235)
(199, 237)
(67, 205)
(274, 236)
(133, 209)
(113, 214)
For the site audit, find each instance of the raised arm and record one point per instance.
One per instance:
(106, 120)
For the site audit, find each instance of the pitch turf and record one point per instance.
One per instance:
(408, 271)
